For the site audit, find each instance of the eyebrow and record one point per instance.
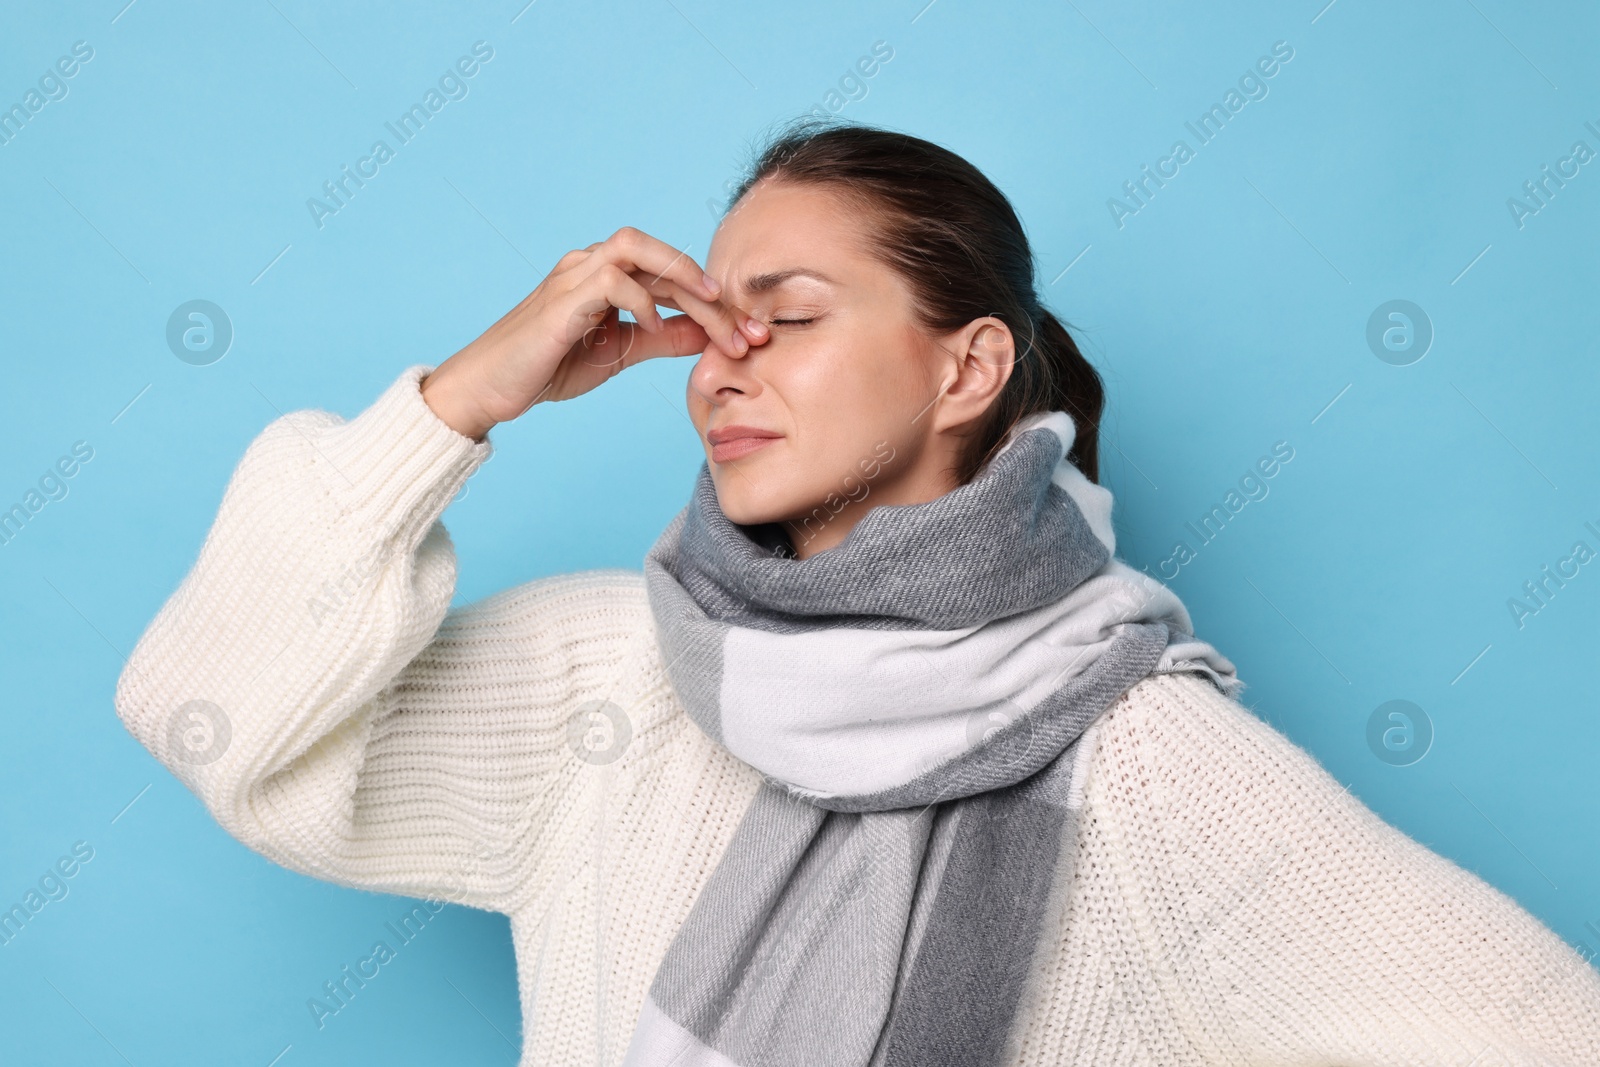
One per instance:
(761, 283)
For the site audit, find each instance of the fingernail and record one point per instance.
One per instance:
(739, 343)
(756, 327)
(711, 284)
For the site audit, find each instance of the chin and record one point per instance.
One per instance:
(744, 498)
(739, 507)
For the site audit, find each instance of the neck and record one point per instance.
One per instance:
(821, 528)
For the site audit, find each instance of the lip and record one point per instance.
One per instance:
(731, 442)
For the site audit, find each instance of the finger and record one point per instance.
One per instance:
(616, 345)
(612, 287)
(719, 321)
(571, 260)
(684, 336)
(633, 249)
(638, 251)
(649, 336)
(730, 327)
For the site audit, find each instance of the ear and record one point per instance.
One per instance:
(982, 354)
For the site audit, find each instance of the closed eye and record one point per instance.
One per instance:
(792, 322)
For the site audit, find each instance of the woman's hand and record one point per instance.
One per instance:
(566, 337)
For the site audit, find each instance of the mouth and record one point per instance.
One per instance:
(733, 442)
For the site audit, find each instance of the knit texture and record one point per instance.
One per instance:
(1229, 903)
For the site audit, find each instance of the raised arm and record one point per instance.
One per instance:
(308, 681)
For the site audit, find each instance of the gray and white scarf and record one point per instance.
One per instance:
(913, 698)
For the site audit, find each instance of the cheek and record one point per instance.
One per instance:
(841, 393)
(844, 408)
(823, 393)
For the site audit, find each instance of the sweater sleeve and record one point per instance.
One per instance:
(1283, 921)
(309, 683)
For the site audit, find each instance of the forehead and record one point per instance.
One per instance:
(784, 234)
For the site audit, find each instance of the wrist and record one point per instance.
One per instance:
(453, 405)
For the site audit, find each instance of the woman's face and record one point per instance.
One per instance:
(847, 403)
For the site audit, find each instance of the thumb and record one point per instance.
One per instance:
(680, 336)
(685, 336)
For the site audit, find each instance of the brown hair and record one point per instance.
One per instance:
(955, 239)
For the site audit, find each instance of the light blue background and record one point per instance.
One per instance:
(1226, 316)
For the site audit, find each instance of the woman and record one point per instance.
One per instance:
(885, 758)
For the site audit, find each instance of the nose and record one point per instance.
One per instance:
(720, 375)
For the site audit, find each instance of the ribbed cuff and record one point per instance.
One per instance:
(398, 455)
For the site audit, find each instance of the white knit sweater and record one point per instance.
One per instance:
(1231, 903)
